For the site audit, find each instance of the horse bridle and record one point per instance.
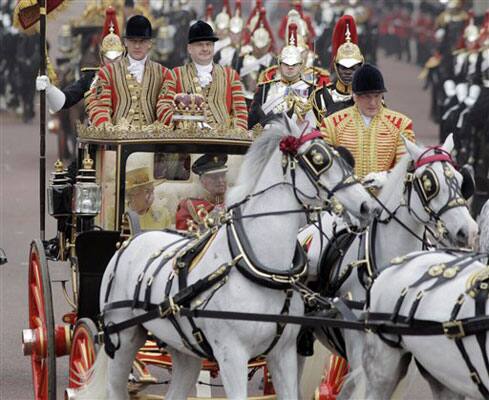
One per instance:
(427, 185)
(315, 160)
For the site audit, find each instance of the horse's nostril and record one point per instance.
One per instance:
(462, 236)
(364, 208)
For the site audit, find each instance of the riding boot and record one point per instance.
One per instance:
(305, 342)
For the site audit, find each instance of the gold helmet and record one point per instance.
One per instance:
(291, 54)
(111, 46)
(262, 35)
(293, 17)
(345, 50)
(223, 18)
(236, 24)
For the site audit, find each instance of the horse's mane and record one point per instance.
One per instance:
(393, 189)
(483, 221)
(256, 158)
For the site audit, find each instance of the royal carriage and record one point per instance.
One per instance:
(93, 218)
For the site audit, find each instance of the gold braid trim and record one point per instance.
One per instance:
(215, 94)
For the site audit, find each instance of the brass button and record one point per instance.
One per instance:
(131, 86)
(131, 111)
(134, 98)
(128, 76)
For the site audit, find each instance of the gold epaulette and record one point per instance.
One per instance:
(89, 69)
(432, 62)
(269, 81)
(247, 49)
(261, 78)
(321, 71)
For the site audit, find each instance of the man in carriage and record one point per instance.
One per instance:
(192, 213)
(371, 131)
(220, 86)
(111, 50)
(127, 91)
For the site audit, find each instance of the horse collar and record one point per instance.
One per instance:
(251, 267)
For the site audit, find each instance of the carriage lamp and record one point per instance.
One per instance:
(87, 195)
(59, 192)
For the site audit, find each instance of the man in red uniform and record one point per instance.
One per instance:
(192, 213)
(220, 86)
(128, 89)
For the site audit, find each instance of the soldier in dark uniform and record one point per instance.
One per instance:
(192, 213)
(29, 62)
(347, 58)
(111, 50)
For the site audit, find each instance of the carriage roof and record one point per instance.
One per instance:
(131, 147)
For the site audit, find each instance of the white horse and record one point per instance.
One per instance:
(397, 231)
(483, 221)
(280, 173)
(441, 361)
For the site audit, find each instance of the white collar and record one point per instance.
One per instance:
(366, 119)
(133, 61)
(203, 69)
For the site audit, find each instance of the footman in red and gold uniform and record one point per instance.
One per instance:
(368, 129)
(220, 86)
(191, 213)
(128, 89)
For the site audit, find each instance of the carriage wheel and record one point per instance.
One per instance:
(332, 382)
(39, 340)
(84, 350)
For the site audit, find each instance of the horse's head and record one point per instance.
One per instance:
(321, 174)
(438, 192)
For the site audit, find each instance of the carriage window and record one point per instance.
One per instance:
(172, 166)
(176, 190)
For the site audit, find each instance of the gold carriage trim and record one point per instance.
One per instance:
(123, 132)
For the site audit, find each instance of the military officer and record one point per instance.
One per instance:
(287, 91)
(192, 213)
(256, 57)
(111, 50)
(229, 55)
(220, 86)
(128, 90)
(347, 58)
(369, 130)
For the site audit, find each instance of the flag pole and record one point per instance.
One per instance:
(42, 125)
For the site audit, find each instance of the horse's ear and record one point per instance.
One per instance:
(448, 145)
(412, 148)
(468, 182)
(346, 155)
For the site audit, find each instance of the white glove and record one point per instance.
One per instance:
(55, 97)
(474, 92)
(449, 87)
(375, 179)
(462, 91)
(42, 83)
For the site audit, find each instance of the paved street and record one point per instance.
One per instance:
(19, 223)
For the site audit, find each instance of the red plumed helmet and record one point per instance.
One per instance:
(292, 39)
(340, 33)
(110, 20)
